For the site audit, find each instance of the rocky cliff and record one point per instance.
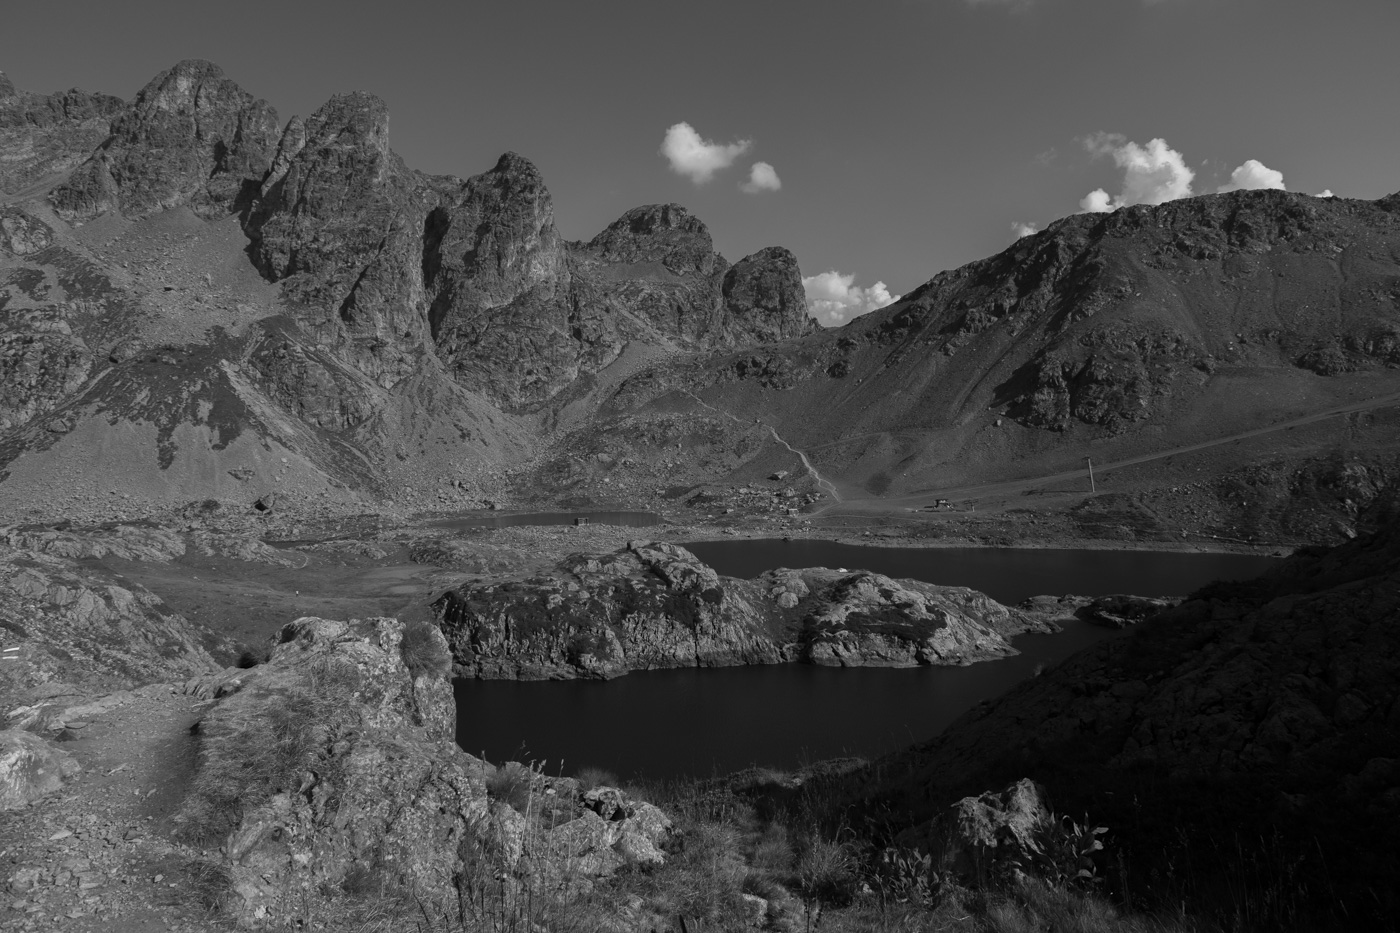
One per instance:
(191, 136)
(385, 311)
(651, 606)
(330, 774)
(42, 135)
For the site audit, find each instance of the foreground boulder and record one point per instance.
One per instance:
(67, 620)
(330, 770)
(651, 605)
(30, 768)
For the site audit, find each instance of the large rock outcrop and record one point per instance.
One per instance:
(191, 136)
(651, 606)
(42, 135)
(30, 768)
(72, 621)
(331, 770)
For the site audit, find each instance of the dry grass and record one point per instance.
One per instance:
(263, 746)
(425, 651)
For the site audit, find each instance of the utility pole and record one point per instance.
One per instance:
(1092, 489)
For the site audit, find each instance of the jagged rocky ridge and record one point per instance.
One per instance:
(652, 605)
(411, 311)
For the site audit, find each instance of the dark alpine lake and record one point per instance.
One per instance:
(512, 519)
(700, 722)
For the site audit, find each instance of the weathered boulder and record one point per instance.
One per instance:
(30, 768)
(977, 833)
(332, 767)
(191, 136)
(653, 605)
(77, 622)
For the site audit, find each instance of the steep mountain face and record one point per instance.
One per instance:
(390, 321)
(404, 315)
(44, 134)
(1141, 331)
(191, 136)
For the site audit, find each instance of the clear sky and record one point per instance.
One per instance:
(907, 136)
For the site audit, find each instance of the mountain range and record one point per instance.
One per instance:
(198, 300)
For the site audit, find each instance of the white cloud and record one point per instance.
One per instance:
(1251, 176)
(1021, 228)
(834, 298)
(762, 177)
(1152, 174)
(696, 158)
(1326, 193)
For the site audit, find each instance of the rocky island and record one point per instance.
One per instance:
(651, 606)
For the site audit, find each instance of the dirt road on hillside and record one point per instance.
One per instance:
(1018, 486)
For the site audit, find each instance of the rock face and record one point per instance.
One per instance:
(764, 298)
(977, 833)
(74, 622)
(191, 136)
(651, 606)
(44, 134)
(30, 768)
(372, 794)
(338, 223)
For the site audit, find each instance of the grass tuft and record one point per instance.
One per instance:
(425, 651)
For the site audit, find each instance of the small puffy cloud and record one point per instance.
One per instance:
(762, 177)
(834, 298)
(696, 158)
(1096, 202)
(1023, 229)
(1326, 193)
(1251, 176)
(1152, 174)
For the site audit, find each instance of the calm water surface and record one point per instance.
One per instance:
(700, 722)
(1008, 575)
(512, 519)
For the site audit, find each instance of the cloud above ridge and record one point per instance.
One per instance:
(834, 298)
(698, 158)
(762, 177)
(1152, 174)
(1252, 176)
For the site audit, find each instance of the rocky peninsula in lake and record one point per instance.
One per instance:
(653, 605)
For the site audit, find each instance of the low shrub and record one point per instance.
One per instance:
(511, 783)
(425, 651)
(589, 778)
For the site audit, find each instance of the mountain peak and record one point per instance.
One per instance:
(191, 136)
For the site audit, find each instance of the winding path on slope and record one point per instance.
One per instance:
(812, 471)
(1015, 487)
